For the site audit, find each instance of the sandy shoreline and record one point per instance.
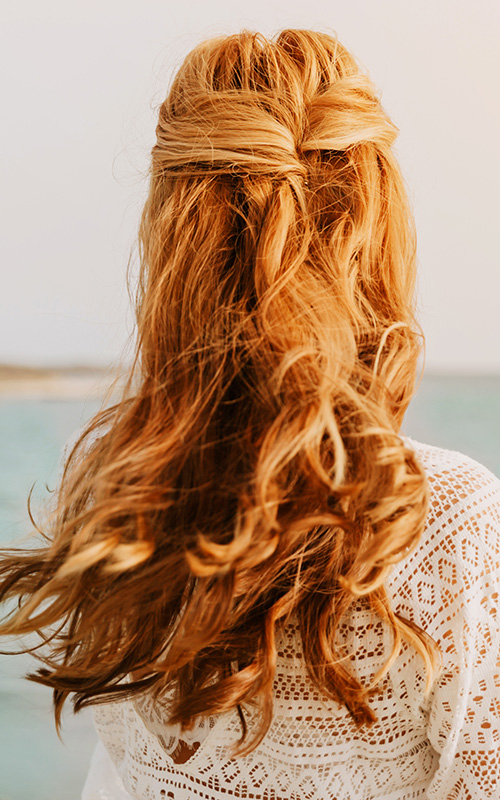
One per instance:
(63, 383)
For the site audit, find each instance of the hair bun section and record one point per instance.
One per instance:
(347, 114)
(231, 132)
(242, 132)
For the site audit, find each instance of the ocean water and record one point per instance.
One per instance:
(456, 412)
(34, 763)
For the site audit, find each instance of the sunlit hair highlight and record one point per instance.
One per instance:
(253, 471)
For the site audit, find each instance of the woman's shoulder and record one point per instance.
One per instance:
(457, 482)
(457, 560)
(463, 520)
(437, 459)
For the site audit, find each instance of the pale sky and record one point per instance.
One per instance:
(80, 84)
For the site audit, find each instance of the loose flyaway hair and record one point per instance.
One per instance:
(253, 471)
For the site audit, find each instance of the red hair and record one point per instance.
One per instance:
(253, 469)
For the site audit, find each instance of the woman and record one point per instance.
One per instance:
(259, 585)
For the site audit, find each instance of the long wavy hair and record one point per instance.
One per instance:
(252, 471)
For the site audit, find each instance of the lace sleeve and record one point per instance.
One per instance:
(464, 718)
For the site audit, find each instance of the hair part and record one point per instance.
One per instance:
(253, 470)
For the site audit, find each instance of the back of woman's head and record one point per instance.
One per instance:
(273, 161)
(255, 471)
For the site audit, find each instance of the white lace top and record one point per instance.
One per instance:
(446, 747)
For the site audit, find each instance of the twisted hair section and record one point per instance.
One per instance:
(253, 470)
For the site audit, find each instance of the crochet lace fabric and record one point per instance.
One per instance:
(445, 747)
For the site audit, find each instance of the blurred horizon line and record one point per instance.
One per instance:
(21, 369)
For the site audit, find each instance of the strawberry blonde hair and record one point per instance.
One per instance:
(252, 470)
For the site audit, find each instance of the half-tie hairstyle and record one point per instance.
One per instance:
(252, 472)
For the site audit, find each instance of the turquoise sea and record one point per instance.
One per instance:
(456, 412)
